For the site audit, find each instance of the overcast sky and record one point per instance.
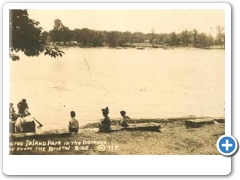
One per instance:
(162, 21)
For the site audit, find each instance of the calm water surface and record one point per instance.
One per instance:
(152, 83)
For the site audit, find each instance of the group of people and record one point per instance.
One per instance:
(104, 125)
(21, 117)
(22, 110)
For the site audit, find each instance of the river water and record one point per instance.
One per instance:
(152, 83)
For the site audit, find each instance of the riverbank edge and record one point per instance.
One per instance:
(154, 120)
(173, 139)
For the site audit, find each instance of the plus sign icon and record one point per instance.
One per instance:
(227, 145)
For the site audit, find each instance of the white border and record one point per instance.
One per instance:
(112, 165)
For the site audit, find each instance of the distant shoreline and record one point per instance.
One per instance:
(148, 48)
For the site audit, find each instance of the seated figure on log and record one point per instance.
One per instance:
(124, 120)
(105, 123)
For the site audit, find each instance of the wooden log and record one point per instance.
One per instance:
(143, 127)
(196, 123)
(220, 120)
(43, 134)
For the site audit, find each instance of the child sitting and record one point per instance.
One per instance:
(124, 119)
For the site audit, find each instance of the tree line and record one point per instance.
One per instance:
(27, 36)
(95, 38)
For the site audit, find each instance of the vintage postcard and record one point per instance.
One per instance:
(118, 79)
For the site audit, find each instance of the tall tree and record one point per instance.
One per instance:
(203, 40)
(152, 40)
(25, 36)
(61, 33)
(173, 39)
(221, 36)
(195, 40)
(185, 37)
(58, 24)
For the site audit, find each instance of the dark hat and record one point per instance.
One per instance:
(122, 112)
(23, 100)
(73, 114)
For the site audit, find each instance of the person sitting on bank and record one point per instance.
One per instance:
(18, 124)
(12, 113)
(22, 107)
(105, 124)
(73, 123)
(124, 120)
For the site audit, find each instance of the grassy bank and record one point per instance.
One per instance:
(174, 139)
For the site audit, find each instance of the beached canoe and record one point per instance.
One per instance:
(199, 122)
(143, 127)
(41, 134)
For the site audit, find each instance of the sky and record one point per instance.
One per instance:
(162, 21)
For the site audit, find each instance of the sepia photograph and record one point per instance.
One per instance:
(116, 81)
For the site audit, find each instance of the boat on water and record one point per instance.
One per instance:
(23, 124)
(24, 127)
(147, 48)
(31, 128)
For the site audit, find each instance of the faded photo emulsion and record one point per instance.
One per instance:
(116, 81)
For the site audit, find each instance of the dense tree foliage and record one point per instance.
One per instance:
(87, 37)
(27, 36)
(221, 36)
